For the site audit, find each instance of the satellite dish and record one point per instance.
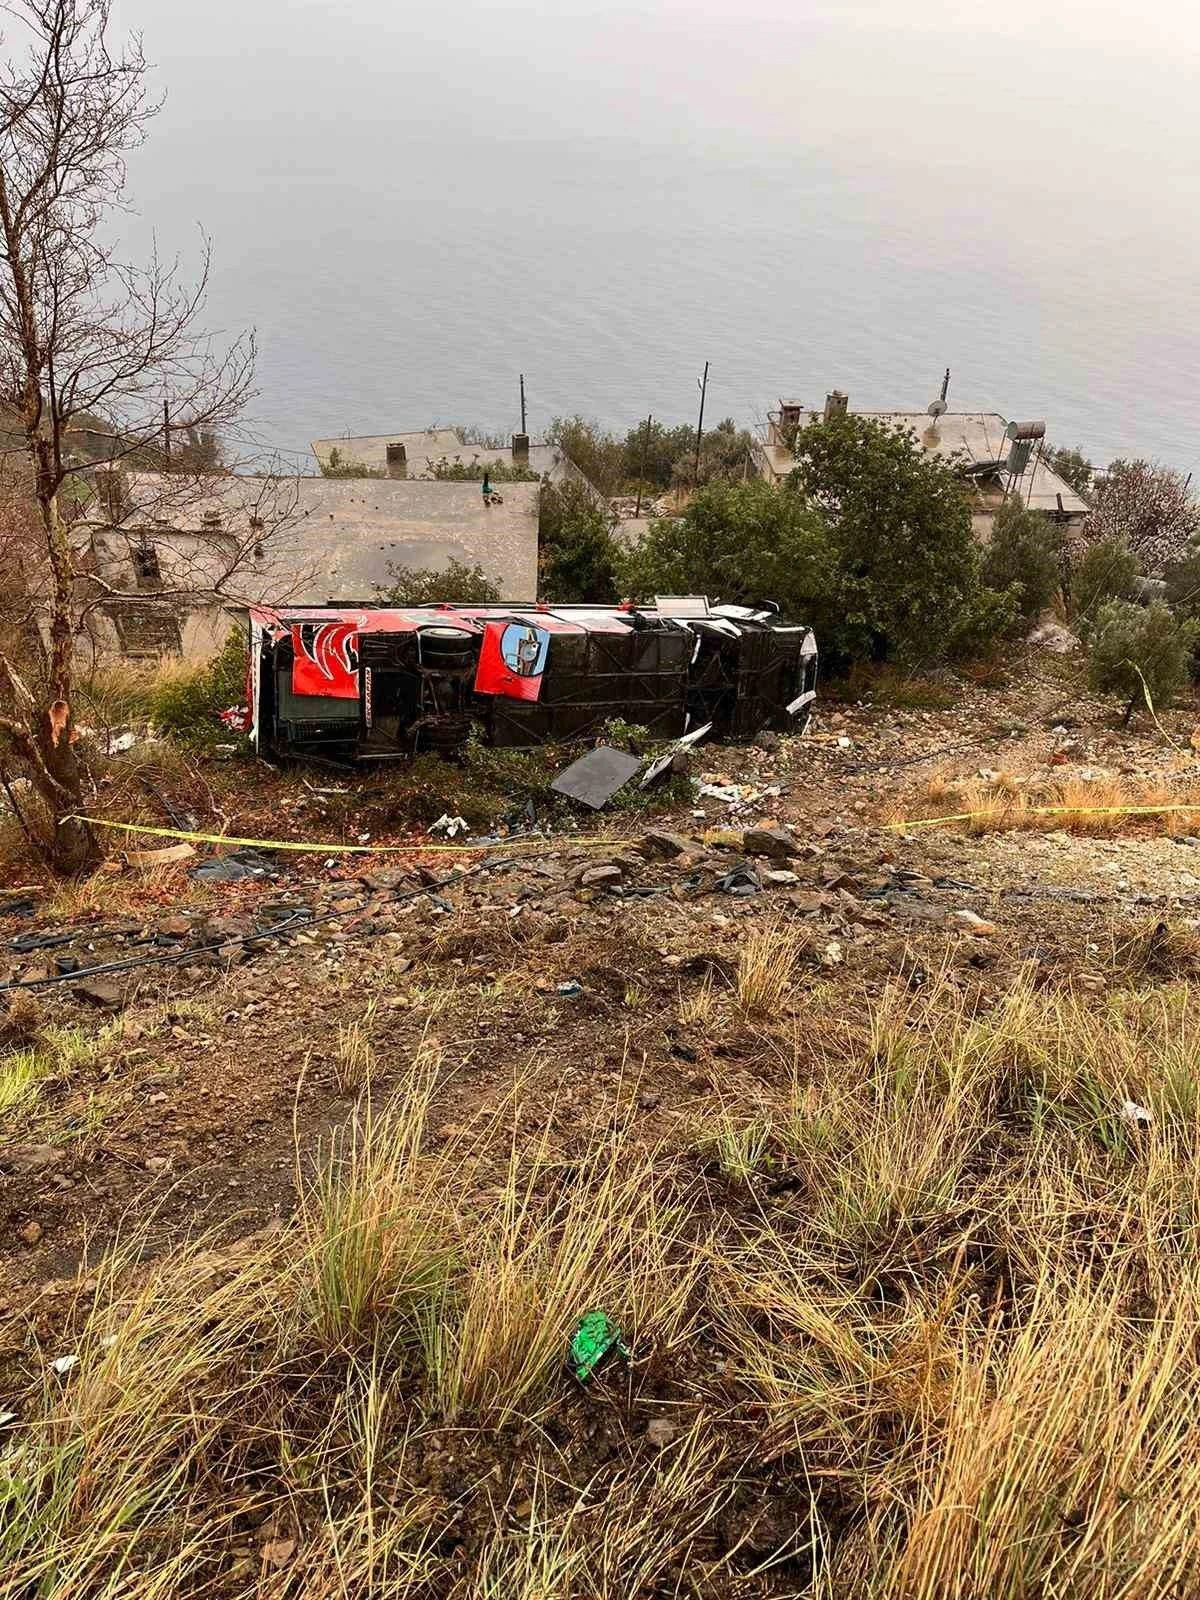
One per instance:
(937, 409)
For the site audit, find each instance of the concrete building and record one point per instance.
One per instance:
(994, 457)
(185, 557)
(420, 454)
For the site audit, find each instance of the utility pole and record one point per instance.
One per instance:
(524, 429)
(167, 433)
(702, 385)
(637, 510)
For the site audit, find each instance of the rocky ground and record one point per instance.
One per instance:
(598, 968)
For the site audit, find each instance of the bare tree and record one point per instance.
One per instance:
(83, 335)
(1148, 506)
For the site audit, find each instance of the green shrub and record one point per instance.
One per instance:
(1182, 579)
(186, 701)
(340, 466)
(1140, 650)
(456, 470)
(1106, 571)
(1073, 467)
(984, 616)
(651, 453)
(599, 455)
(578, 558)
(455, 584)
(739, 542)
(1023, 556)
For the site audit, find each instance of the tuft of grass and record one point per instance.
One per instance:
(767, 966)
(376, 1241)
(355, 1058)
(57, 1053)
(698, 1008)
(542, 1256)
(740, 1144)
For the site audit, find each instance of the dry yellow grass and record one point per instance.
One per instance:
(767, 965)
(1100, 805)
(956, 1354)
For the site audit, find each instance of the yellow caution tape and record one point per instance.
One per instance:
(1000, 815)
(340, 849)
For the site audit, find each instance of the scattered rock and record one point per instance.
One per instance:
(597, 877)
(666, 845)
(23, 1159)
(971, 923)
(101, 992)
(157, 1163)
(278, 1552)
(781, 878)
(660, 1431)
(772, 842)
(31, 1233)
(1052, 636)
(387, 878)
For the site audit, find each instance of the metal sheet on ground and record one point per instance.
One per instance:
(597, 776)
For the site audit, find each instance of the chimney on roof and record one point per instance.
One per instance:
(397, 461)
(520, 449)
(836, 405)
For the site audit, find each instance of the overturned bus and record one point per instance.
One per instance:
(376, 683)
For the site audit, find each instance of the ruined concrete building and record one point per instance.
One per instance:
(183, 559)
(994, 457)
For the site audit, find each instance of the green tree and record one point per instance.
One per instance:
(651, 454)
(578, 558)
(907, 564)
(739, 542)
(1139, 651)
(455, 583)
(1023, 555)
(1106, 571)
(1073, 467)
(340, 466)
(724, 453)
(598, 454)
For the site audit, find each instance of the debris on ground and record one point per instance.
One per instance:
(450, 826)
(596, 1338)
(236, 867)
(595, 778)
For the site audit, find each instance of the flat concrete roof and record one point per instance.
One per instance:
(425, 449)
(338, 538)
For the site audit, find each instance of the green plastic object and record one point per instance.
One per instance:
(595, 1338)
